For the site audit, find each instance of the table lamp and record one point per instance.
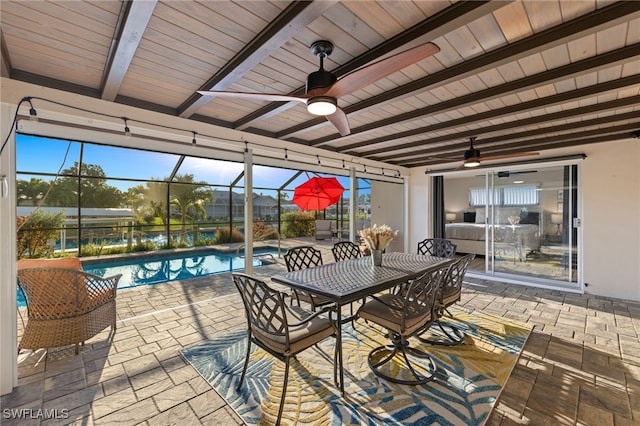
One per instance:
(450, 217)
(556, 218)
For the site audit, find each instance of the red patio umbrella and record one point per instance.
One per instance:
(317, 193)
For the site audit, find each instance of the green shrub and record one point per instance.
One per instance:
(298, 224)
(33, 233)
(143, 246)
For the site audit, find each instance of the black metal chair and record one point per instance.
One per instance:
(301, 257)
(281, 330)
(448, 294)
(345, 250)
(437, 247)
(404, 315)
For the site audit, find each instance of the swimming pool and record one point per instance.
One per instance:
(161, 268)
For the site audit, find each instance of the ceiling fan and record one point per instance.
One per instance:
(472, 155)
(323, 88)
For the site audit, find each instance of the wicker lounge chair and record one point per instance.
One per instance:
(65, 305)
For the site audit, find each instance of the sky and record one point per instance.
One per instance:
(44, 155)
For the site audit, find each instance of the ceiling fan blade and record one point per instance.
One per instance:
(340, 121)
(272, 97)
(371, 73)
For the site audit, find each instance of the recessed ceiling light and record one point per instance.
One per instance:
(518, 181)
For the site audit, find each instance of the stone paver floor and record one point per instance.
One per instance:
(580, 365)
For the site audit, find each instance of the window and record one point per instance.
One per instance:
(527, 195)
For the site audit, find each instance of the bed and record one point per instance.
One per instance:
(521, 237)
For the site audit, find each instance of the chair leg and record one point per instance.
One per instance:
(400, 345)
(284, 389)
(246, 362)
(454, 335)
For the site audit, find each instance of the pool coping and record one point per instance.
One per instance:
(161, 253)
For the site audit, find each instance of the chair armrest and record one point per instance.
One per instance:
(100, 290)
(324, 310)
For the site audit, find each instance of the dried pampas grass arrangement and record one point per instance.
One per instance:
(378, 237)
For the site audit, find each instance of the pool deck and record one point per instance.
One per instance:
(581, 364)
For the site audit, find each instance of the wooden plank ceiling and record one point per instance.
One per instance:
(518, 75)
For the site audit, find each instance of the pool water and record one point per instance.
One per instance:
(158, 269)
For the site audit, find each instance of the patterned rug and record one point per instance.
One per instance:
(468, 381)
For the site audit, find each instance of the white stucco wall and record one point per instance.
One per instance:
(611, 219)
(419, 208)
(387, 209)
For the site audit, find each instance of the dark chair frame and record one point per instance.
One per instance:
(269, 326)
(404, 316)
(302, 257)
(345, 250)
(439, 247)
(448, 294)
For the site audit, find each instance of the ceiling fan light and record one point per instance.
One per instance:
(322, 105)
(471, 157)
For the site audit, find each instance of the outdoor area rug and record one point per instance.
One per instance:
(468, 381)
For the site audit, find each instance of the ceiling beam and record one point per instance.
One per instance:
(589, 65)
(606, 17)
(132, 22)
(287, 25)
(511, 125)
(509, 110)
(491, 144)
(577, 139)
(451, 18)
(5, 71)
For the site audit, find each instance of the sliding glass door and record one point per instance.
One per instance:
(521, 223)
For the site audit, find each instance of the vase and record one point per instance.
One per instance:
(376, 257)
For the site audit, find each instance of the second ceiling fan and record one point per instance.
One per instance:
(472, 155)
(323, 88)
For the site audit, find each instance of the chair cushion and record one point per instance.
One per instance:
(381, 312)
(62, 262)
(300, 337)
(449, 299)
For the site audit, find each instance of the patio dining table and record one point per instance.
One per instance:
(351, 280)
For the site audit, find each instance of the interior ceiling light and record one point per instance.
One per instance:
(322, 105)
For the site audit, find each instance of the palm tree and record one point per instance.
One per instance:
(189, 198)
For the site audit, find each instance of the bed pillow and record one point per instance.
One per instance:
(480, 215)
(469, 217)
(529, 218)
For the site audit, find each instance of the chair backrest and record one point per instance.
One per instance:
(302, 257)
(264, 308)
(52, 293)
(437, 247)
(452, 281)
(62, 262)
(345, 250)
(420, 298)
(323, 225)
